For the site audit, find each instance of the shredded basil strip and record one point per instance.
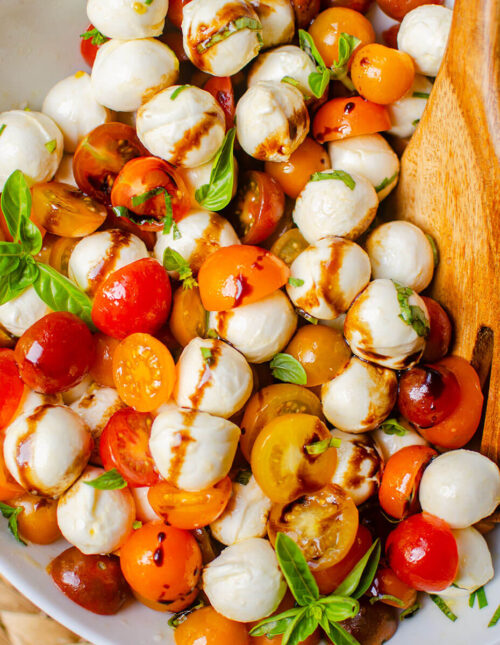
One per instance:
(110, 480)
(480, 594)
(173, 261)
(318, 80)
(421, 95)
(306, 316)
(415, 122)
(385, 182)
(411, 611)
(243, 477)
(392, 426)
(2, 127)
(341, 175)
(295, 282)
(398, 601)
(11, 513)
(244, 22)
(412, 315)
(440, 603)
(217, 194)
(177, 91)
(435, 252)
(97, 38)
(495, 618)
(288, 369)
(319, 447)
(51, 145)
(207, 355)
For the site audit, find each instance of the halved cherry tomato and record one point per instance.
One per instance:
(221, 88)
(88, 49)
(386, 583)
(5, 235)
(289, 245)
(144, 372)
(38, 520)
(260, 203)
(102, 369)
(390, 36)
(9, 488)
(438, 341)
(238, 275)
(349, 117)
(205, 626)
(188, 318)
(398, 9)
(174, 14)
(11, 387)
(56, 251)
(305, 11)
(358, 5)
(174, 40)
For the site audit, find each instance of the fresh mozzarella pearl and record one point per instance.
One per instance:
(186, 131)
(368, 155)
(423, 35)
(98, 255)
(245, 582)
(407, 111)
(400, 251)
(202, 233)
(258, 330)
(30, 142)
(333, 272)
(360, 397)
(18, 314)
(475, 567)
(95, 521)
(96, 407)
(330, 207)
(461, 487)
(358, 469)
(220, 384)
(64, 173)
(204, 19)
(127, 73)
(337, 323)
(144, 510)
(245, 516)
(47, 449)
(71, 103)
(288, 60)
(31, 400)
(277, 19)
(374, 330)
(389, 444)
(195, 178)
(73, 394)
(126, 18)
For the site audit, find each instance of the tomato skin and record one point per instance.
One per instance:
(305, 12)
(349, 117)
(9, 488)
(38, 520)
(188, 318)
(174, 14)
(439, 339)
(357, 5)
(386, 583)
(260, 204)
(11, 387)
(221, 88)
(398, 9)
(206, 626)
(102, 369)
(390, 37)
(87, 49)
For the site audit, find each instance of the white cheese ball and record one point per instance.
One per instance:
(461, 487)
(400, 251)
(368, 155)
(127, 73)
(201, 233)
(407, 111)
(330, 207)
(195, 178)
(360, 397)
(337, 323)
(95, 521)
(192, 450)
(31, 400)
(271, 120)
(17, 315)
(389, 444)
(30, 142)
(74, 393)
(245, 516)
(374, 330)
(144, 510)
(258, 330)
(475, 566)
(128, 19)
(47, 449)
(96, 407)
(423, 35)
(235, 20)
(245, 582)
(288, 60)
(96, 256)
(187, 131)
(333, 271)
(278, 21)
(64, 173)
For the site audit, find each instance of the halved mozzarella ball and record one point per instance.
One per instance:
(127, 73)
(331, 207)
(407, 111)
(96, 407)
(423, 35)
(186, 130)
(245, 516)
(475, 566)
(47, 449)
(74, 393)
(64, 173)
(389, 444)
(245, 582)
(368, 155)
(31, 400)
(144, 510)
(221, 36)
(288, 60)
(330, 274)
(376, 332)
(128, 19)
(98, 255)
(18, 314)
(192, 450)
(258, 330)
(30, 142)
(278, 21)
(95, 521)
(271, 120)
(461, 487)
(195, 178)
(218, 382)
(360, 397)
(400, 251)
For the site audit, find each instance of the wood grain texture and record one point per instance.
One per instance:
(450, 187)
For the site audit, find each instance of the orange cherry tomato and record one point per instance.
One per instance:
(349, 117)
(11, 387)
(386, 583)
(289, 245)
(188, 318)
(56, 251)
(102, 369)
(221, 88)
(9, 488)
(38, 520)
(144, 372)
(206, 627)
(238, 275)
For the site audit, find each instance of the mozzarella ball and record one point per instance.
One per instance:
(98, 255)
(221, 36)
(31, 400)
(96, 407)
(74, 393)
(17, 315)
(143, 509)
(95, 521)
(245, 582)
(47, 449)
(288, 60)
(201, 233)
(400, 251)
(64, 173)
(423, 35)
(30, 142)
(407, 111)
(187, 130)
(195, 178)
(368, 155)
(127, 19)
(389, 444)
(192, 450)
(461, 487)
(219, 384)
(271, 120)
(333, 271)
(475, 566)
(374, 330)
(337, 323)
(277, 19)
(360, 397)
(330, 207)
(258, 330)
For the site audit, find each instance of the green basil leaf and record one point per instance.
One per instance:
(387, 596)
(411, 611)
(304, 626)
(318, 82)
(303, 314)
(243, 477)
(412, 315)
(2, 127)
(295, 83)
(244, 22)
(347, 44)
(11, 513)
(137, 200)
(137, 525)
(177, 91)
(495, 618)
(391, 426)
(295, 282)
(306, 43)
(296, 570)
(110, 480)
(481, 598)
(169, 219)
(288, 369)
(440, 603)
(421, 95)
(31, 238)
(319, 447)
(415, 122)
(208, 358)
(217, 194)
(341, 175)
(385, 182)
(179, 617)
(51, 145)
(289, 638)
(97, 38)
(275, 625)
(173, 261)
(337, 608)
(14, 283)
(338, 634)
(10, 253)
(354, 579)
(16, 203)
(435, 252)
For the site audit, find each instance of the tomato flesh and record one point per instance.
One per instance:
(221, 88)
(11, 387)
(260, 203)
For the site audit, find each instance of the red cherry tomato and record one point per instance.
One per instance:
(438, 342)
(398, 9)
(358, 5)
(390, 37)
(221, 88)
(260, 204)
(11, 387)
(386, 583)
(174, 14)
(90, 46)
(349, 117)
(305, 12)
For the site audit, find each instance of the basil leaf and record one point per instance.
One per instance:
(338, 634)
(303, 314)
(495, 618)
(2, 127)
(177, 91)
(440, 603)
(306, 624)
(288, 369)
(137, 525)
(217, 194)
(110, 480)
(353, 581)
(295, 282)
(18, 280)
(387, 596)
(296, 570)
(481, 598)
(411, 611)
(275, 625)
(341, 175)
(347, 44)
(10, 253)
(173, 261)
(412, 315)
(244, 22)
(16, 203)
(338, 608)
(415, 122)
(435, 252)
(319, 447)
(97, 38)
(292, 81)
(51, 145)
(208, 358)
(243, 477)
(318, 82)
(138, 200)
(169, 219)
(288, 637)
(421, 95)
(306, 43)
(31, 238)
(385, 182)
(11, 513)
(391, 426)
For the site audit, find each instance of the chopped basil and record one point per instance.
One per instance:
(415, 122)
(244, 22)
(168, 222)
(440, 603)
(421, 95)
(318, 80)
(97, 38)
(11, 513)
(288, 369)
(137, 200)
(211, 333)
(2, 127)
(340, 70)
(292, 81)
(306, 316)
(173, 261)
(51, 145)
(495, 618)
(391, 426)
(480, 594)
(208, 358)
(178, 618)
(148, 2)
(110, 480)
(217, 194)
(385, 182)
(295, 282)
(243, 477)
(335, 174)
(137, 525)
(411, 611)
(435, 252)
(319, 447)
(412, 315)
(398, 601)
(177, 91)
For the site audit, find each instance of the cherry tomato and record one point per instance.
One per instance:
(305, 12)
(438, 342)
(323, 524)
(386, 583)
(238, 275)
(11, 387)
(260, 204)
(390, 36)
(174, 40)
(144, 372)
(205, 626)
(162, 563)
(357, 5)
(9, 488)
(373, 624)
(423, 553)
(55, 353)
(88, 49)
(38, 520)
(174, 14)
(56, 251)
(188, 318)
(102, 369)
(289, 245)
(398, 9)
(349, 117)
(5, 235)
(221, 88)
